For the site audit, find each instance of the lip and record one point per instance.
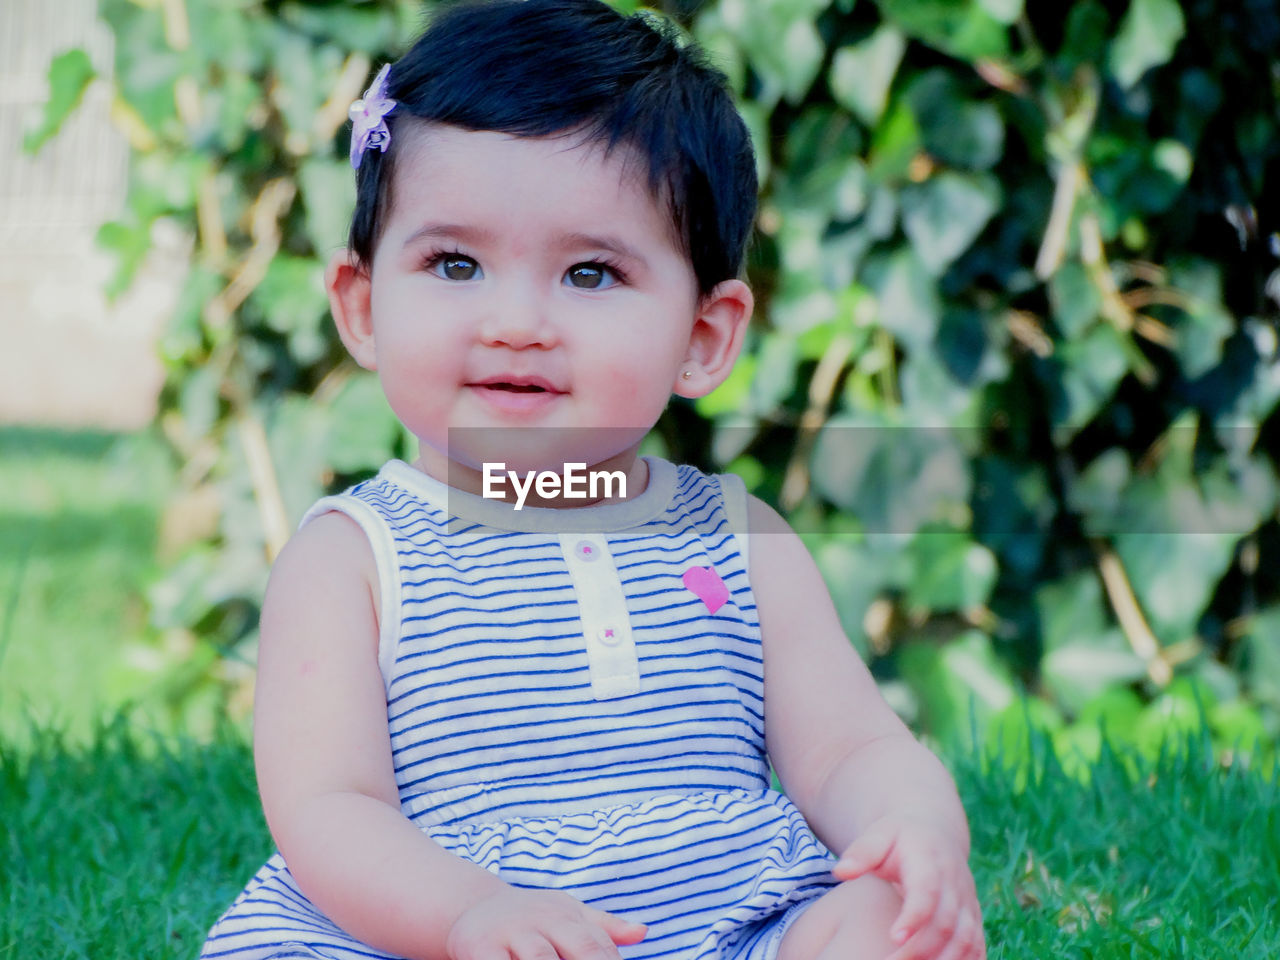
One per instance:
(490, 391)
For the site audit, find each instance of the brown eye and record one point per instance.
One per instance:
(455, 267)
(590, 276)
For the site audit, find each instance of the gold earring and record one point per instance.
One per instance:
(686, 375)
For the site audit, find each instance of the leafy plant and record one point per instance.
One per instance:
(1015, 367)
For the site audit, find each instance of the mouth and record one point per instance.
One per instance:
(516, 385)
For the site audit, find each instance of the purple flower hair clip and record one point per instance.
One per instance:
(368, 123)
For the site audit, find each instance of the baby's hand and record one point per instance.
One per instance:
(940, 917)
(516, 924)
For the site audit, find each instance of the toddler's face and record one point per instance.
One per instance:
(526, 283)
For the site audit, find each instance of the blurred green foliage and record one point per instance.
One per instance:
(1014, 371)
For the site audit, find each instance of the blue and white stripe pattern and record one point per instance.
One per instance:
(653, 804)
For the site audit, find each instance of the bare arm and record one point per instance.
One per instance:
(323, 755)
(872, 793)
(841, 752)
(328, 787)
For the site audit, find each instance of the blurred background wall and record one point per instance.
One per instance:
(68, 356)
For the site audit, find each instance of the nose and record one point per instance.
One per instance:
(517, 316)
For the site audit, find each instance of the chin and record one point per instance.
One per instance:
(539, 448)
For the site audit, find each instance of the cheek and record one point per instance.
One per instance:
(631, 393)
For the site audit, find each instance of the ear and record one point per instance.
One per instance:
(716, 338)
(350, 299)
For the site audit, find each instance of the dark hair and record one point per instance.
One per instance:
(540, 67)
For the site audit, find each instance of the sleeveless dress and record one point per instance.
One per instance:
(575, 700)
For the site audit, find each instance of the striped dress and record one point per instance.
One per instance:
(575, 700)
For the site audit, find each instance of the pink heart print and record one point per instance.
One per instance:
(706, 584)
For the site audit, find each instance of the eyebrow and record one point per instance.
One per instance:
(604, 242)
(454, 230)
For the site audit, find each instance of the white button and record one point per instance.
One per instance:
(586, 550)
(609, 636)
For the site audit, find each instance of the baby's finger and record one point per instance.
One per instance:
(924, 944)
(864, 855)
(582, 942)
(532, 947)
(967, 940)
(932, 938)
(621, 931)
(919, 905)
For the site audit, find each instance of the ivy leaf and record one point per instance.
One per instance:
(227, 40)
(200, 401)
(824, 176)
(1176, 554)
(1205, 324)
(364, 27)
(1071, 608)
(1176, 530)
(962, 29)
(907, 303)
(959, 683)
(1085, 33)
(1114, 710)
(1200, 337)
(328, 195)
(129, 241)
(293, 301)
(733, 394)
(146, 67)
(1097, 492)
(1262, 656)
(297, 432)
(854, 575)
(1084, 652)
(233, 102)
(70, 74)
(1089, 370)
(1147, 37)
(955, 128)
(1006, 11)
(944, 215)
(950, 572)
(1075, 299)
(1080, 671)
(931, 393)
(802, 301)
(775, 372)
(781, 40)
(892, 479)
(1013, 510)
(361, 426)
(861, 73)
(303, 76)
(894, 144)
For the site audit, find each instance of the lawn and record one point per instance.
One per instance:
(124, 847)
(78, 531)
(118, 844)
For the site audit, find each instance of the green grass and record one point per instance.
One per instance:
(126, 848)
(78, 531)
(122, 848)
(1173, 856)
(116, 845)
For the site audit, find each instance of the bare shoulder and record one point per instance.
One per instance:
(783, 573)
(330, 550)
(821, 702)
(320, 606)
(320, 707)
